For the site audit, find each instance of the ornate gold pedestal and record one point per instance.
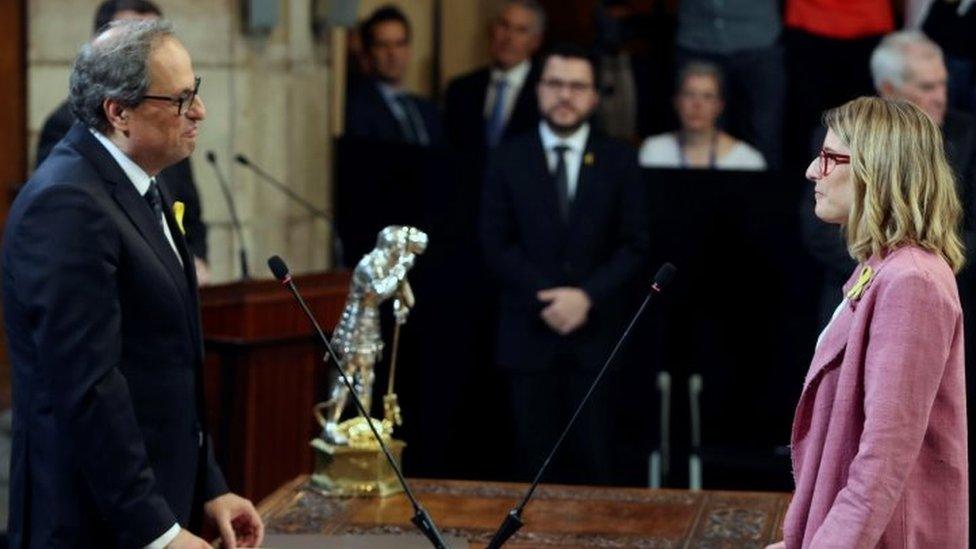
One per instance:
(358, 468)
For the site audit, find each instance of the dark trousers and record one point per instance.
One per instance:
(823, 73)
(542, 404)
(755, 95)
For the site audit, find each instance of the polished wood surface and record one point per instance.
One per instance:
(558, 516)
(262, 375)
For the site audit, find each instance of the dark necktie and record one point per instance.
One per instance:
(411, 124)
(496, 122)
(562, 180)
(155, 200)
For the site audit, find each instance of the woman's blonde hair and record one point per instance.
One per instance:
(904, 190)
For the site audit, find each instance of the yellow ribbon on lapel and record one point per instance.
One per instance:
(867, 273)
(178, 210)
(589, 159)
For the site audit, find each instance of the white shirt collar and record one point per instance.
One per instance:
(515, 76)
(136, 175)
(576, 141)
(389, 91)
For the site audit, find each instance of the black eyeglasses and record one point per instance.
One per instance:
(182, 101)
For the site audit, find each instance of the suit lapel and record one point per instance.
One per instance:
(136, 208)
(189, 271)
(585, 182)
(189, 266)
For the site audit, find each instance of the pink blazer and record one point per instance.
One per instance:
(879, 436)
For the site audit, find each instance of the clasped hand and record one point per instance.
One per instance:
(566, 309)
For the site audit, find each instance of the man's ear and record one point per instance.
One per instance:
(116, 114)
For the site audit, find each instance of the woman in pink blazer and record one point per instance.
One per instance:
(879, 436)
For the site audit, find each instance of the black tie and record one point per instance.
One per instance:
(155, 200)
(410, 125)
(562, 180)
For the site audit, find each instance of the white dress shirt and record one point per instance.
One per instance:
(574, 156)
(139, 178)
(515, 77)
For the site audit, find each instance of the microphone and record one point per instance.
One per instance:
(421, 518)
(513, 521)
(236, 221)
(244, 161)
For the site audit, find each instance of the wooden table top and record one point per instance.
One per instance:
(557, 516)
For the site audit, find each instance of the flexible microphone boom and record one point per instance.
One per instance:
(513, 521)
(246, 162)
(235, 221)
(421, 518)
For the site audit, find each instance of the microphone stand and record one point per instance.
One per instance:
(236, 221)
(421, 519)
(513, 520)
(244, 161)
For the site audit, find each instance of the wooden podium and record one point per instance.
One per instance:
(262, 375)
(557, 516)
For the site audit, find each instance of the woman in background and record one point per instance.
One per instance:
(699, 143)
(879, 435)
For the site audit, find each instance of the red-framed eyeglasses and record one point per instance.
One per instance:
(826, 156)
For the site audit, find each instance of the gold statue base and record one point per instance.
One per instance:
(359, 468)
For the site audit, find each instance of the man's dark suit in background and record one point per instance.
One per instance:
(370, 116)
(600, 248)
(177, 179)
(464, 109)
(99, 312)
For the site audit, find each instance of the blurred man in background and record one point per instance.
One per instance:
(380, 108)
(493, 103)
(564, 230)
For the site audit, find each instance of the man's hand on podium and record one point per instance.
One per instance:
(238, 521)
(186, 540)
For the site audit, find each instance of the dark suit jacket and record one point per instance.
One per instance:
(464, 109)
(825, 243)
(106, 349)
(602, 248)
(177, 179)
(368, 116)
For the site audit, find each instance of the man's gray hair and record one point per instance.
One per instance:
(888, 58)
(702, 68)
(532, 5)
(113, 65)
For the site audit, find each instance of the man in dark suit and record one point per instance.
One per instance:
(493, 103)
(379, 108)
(564, 230)
(102, 319)
(177, 179)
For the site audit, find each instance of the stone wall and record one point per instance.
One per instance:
(266, 97)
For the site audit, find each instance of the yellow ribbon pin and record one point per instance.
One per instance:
(178, 210)
(589, 159)
(867, 273)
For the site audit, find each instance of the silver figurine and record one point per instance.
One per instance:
(380, 275)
